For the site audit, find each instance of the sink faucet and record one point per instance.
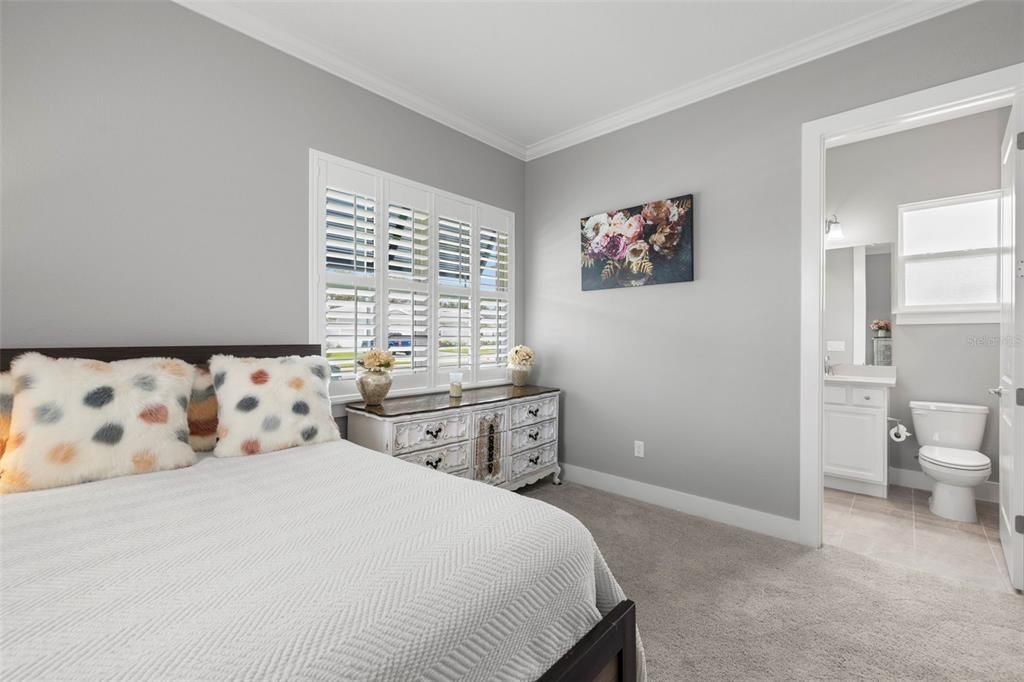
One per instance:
(828, 367)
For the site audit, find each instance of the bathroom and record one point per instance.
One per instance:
(912, 250)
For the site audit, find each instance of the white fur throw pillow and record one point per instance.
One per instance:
(83, 420)
(267, 404)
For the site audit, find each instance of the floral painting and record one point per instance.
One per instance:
(632, 247)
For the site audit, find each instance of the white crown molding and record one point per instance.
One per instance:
(847, 35)
(243, 21)
(817, 46)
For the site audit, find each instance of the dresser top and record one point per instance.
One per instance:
(432, 402)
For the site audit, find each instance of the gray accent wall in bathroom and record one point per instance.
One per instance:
(707, 372)
(866, 182)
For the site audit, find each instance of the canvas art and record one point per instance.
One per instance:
(631, 247)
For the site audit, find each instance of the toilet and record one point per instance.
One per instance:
(950, 435)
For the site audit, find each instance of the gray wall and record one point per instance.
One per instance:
(877, 296)
(707, 372)
(866, 182)
(155, 175)
(837, 324)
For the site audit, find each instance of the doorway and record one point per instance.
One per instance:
(986, 92)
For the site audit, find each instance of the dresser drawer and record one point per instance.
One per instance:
(450, 459)
(527, 462)
(867, 397)
(534, 411)
(427, 433)
(526, 437)
(493, 420)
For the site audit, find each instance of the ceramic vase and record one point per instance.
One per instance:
(374, 386)
(520, 376)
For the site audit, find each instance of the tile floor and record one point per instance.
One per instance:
(902, 530)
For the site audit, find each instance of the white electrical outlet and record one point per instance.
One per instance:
(638, 448)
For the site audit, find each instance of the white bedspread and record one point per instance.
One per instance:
(328, 562)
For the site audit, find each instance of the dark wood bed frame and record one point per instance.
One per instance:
(605, 654)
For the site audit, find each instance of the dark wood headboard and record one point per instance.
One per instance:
(193, 354)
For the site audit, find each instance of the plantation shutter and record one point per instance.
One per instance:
(419, 272)
(350, 305)
(350, 232)
(408, 329)
(493, 260)
(408, 243)
(494, 332)
(454, 260)
(454, 331)
(494, 274)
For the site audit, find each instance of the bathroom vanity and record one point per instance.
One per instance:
(855, 446)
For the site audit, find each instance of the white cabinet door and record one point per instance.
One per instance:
(853, 442)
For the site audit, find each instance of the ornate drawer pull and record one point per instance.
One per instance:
(432, 463)
(533, 435)
(533, 412)
(435, 432)
(534, 460)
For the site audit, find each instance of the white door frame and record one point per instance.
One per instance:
(973, 95)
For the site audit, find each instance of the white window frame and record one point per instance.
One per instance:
(477, 213)
(941, 314)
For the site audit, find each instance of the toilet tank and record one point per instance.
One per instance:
(949, 425)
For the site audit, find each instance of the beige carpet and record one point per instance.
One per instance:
(716, 602)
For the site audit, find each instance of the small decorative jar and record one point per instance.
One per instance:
(455, 384)
(374, 385)
(519, 374)
(882, 333)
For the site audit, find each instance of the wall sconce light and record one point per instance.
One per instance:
(833, 229)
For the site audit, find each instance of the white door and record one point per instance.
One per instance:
(1011, 412)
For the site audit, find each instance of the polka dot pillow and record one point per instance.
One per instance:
(82, 420)
(267, 404)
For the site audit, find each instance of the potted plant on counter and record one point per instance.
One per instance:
(882, 329)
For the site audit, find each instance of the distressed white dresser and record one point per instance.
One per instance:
(506, 436)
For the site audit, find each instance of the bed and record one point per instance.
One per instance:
(322, 562)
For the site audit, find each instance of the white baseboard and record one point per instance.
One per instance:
(714, 510)
(918, 480)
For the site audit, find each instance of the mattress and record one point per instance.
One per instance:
(327, 562)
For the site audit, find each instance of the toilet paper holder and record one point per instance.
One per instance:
(900, 432)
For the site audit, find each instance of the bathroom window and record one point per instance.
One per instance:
(947, 265)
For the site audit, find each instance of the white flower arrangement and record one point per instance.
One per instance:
(376, 360)
(520, 356)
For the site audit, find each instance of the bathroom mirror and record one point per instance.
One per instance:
(858, 290)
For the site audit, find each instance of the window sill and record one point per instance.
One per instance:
(947, 317)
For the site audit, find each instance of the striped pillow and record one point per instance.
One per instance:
(202, 412)
(6, 404)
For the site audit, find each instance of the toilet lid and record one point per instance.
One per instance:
(955, 458)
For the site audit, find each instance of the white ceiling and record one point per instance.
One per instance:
(532, 78)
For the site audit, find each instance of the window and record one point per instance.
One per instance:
(948, 260)
(397, 264)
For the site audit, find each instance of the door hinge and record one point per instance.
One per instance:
(1020, 141)
(1018, 524)
(1020, 397)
